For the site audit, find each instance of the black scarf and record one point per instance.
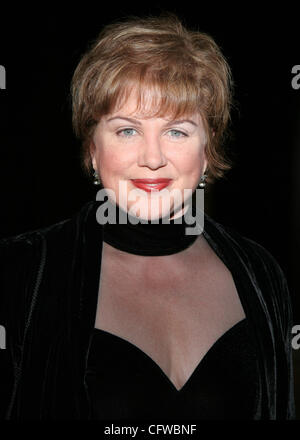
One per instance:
(151, 239)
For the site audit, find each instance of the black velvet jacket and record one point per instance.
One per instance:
(48, 298)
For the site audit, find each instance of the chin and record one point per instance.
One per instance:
(150, 213)
(148, 206)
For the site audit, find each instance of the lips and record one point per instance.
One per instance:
(151, 184)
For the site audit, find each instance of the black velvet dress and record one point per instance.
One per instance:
(124, 382)
(49, 284)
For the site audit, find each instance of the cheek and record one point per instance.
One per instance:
(106, 155)
(191, 163)
(111, 162)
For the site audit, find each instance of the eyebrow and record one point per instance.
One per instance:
(134, 121)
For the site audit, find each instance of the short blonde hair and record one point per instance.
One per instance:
(157, 53)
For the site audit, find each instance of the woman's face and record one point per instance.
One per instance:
(127, 146)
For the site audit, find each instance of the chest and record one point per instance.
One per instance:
(171, 309)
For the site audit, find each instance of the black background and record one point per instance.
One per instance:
(41, 179)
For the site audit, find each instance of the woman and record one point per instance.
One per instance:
(143, 320)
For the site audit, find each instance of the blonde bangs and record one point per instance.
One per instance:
(155, 94)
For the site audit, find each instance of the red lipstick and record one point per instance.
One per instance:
(151, 184)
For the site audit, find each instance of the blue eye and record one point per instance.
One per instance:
(126, 132)
(178, 132)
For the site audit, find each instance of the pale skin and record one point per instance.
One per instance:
(148, 148)
(173, 307)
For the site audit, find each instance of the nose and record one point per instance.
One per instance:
(150, 153)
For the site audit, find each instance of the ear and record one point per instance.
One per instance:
(93, 155)
(204, 160)
(205, 163)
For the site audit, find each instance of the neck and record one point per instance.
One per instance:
(149, 239)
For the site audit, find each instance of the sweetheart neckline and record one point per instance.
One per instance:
(149, 358)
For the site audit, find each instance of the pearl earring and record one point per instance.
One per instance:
(96, 178)
(202, 182)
